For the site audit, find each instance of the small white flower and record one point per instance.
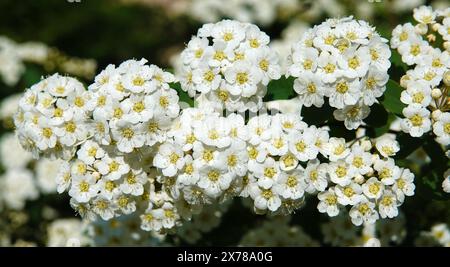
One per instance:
(417, 121)
(373, 188)
(387, 205)
(424, 14)
(336, 149)
(113, 168)
(315, 176)
(352, 115)
(363, 212)
(441, 128)
(404, 185)
(89, 152)
(265, 198)
(340, 172)
(328, 203)
(350, 194)
(290, 184)
(386, 170)
(387, 146)
(83, 188)
(170, 159)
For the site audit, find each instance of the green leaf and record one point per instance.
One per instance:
(396, 60)
(32, 75)
(317, 116)
(378, 116)
(379, 131)
(182, 94)
(391, 99)
(439, 160)
(407, 144)
(282, 88)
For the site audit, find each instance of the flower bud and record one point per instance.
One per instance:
(421, 28)
(435, 27)
(404, 80)
(436, 93)
(446, 78)
(436, 114)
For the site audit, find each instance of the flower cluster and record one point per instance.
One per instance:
(428, 84)
(229, 63)
(101, 133)
(345, 60)
(52, 114)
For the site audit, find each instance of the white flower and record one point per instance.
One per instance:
(104, 208)
(350, 194)
(386, 170)
(259, 129)
(170, 159)
(290, 184)
(328, 70)
(387, 146)
(344, 92)
(387, 205)
(265, 198)
(418, 92)
(363, 212)
(303, 145)
(133, 183)
(446, 182)
(336, 149)
(355, 62)
(441, 128)
(414, 51)
(403, 34)
(228, 31)
(267, 173)
(340, 172)
(352, 115)
(235, 158)
(128, 136)
(304, 62)
(328, 202)
(416, 121)
(373, 85)
(404, 185)
(244, 79)
(63, 177)
(373, 188)
(89, 152)
(113, 168)
(424, 14)
(214, 131)
(267, 61)
(83, 188)
(315, 176)
(359, 160)
(310, 89)
(214, 180)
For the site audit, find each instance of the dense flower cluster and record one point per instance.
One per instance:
(427, 85)
(345, 60)
(51, 117)
(130, 151)
(97, 130)
(230, 64)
